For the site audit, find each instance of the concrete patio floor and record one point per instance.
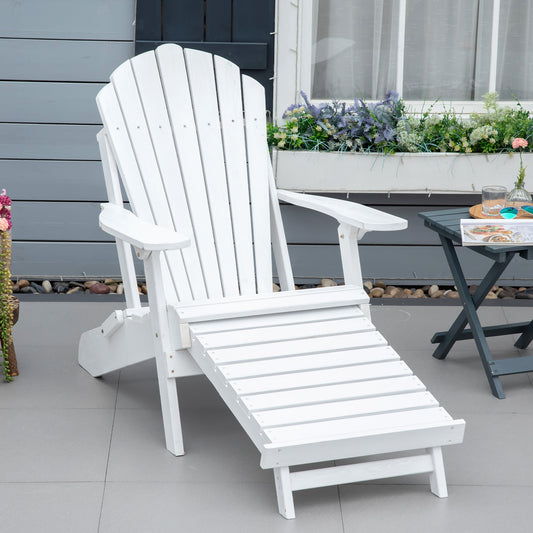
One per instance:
(87, 455)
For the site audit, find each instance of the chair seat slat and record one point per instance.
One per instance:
(285, 332)
(264, 304)
(302, 317)
(296, 347)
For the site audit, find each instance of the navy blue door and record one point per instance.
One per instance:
(239, 30)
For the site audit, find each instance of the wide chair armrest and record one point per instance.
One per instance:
(124, 225)
(356, 215)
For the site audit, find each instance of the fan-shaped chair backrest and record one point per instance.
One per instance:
(188, 135)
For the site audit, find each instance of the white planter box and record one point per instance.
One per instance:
(404, 172)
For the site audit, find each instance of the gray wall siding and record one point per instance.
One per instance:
(54, 58)
(43, 180)
(412, 266)
(103, 20)
(58, 260)
(61, 60)
(411, 257)
(48, 141)
(45, 103)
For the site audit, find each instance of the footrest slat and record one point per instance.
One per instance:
(514, 365)
(318, 378)
(345, 409)
(311, 390)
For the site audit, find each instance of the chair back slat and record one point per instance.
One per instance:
(228, 79)
(131, 105)
(175, 83)
(254, 111)
(148, 80)
(205, 105)
(124, 155)
(114, 191)
(188, 134)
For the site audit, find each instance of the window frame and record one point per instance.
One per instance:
(293, 60)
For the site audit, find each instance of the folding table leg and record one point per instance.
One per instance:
(447, 339)
(526, 337)
(470, 312)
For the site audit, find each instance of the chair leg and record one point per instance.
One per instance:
(171, 414)
(437, 478)
(284, 492)
(160, 336)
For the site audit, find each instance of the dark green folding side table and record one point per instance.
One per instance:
(447, 224)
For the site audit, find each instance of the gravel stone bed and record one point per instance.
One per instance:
(107, 286)
(376, 289)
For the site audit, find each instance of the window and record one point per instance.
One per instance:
(426, 50)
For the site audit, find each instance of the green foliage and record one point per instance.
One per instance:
(300, 132)
(6, 309)
(388, 127)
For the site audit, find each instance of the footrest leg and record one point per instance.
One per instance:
(284, 492)
(437, 478)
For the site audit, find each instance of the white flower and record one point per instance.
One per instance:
(482, 133)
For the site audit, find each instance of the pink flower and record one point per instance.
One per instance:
(5, 200)
(519, 143)
(4, 224)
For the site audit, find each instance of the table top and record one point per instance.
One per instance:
(447, 223)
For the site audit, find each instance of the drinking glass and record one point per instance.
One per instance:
(492, 200)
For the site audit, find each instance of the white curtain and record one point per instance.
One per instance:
(441, 50)
(515, 58)
(447, 49)
(355, 48)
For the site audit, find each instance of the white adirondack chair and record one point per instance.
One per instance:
(305, 372)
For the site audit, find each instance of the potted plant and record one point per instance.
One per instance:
(381, 147)
(8, 305)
